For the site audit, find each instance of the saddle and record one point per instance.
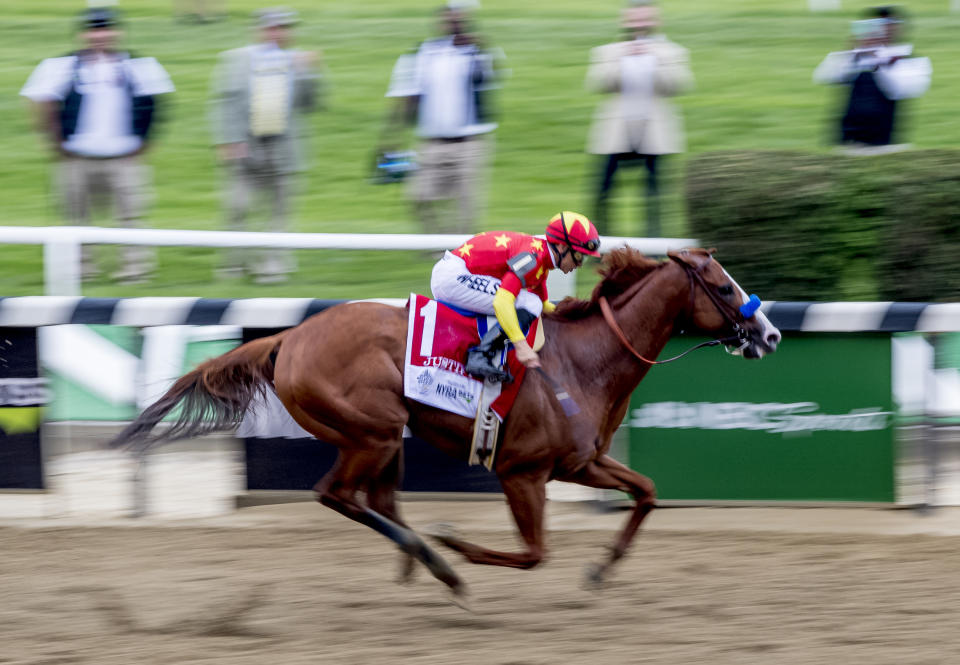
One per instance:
(438, 338)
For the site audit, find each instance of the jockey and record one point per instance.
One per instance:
(505, 273)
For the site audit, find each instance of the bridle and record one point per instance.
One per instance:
(729, 313)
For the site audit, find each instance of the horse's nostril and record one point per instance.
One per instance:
(772, 339)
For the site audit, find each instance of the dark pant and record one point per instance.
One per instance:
(608, 166)
(870, 115)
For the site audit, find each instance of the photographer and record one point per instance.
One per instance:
(97, 107)
(442, 89)
(636, 123)
(879, 74)
(262, 96)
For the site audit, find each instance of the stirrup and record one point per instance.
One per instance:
(486, 428)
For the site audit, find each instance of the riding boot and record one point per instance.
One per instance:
(481, 359)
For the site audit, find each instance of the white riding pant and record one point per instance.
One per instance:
(452, 283)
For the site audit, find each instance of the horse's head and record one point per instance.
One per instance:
(718, 306)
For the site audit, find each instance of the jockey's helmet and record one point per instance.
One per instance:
(575, 231)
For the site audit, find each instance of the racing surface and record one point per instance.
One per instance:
(295, 583)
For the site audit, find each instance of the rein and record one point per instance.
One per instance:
(721, 306)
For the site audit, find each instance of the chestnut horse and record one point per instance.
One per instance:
(340, 375)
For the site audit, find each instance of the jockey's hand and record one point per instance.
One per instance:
(526, 355)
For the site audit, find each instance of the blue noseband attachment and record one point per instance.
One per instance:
(749, 308)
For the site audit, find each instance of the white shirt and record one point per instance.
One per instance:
(440, 74)
(636, 84)
(906, 78)
(104, 124)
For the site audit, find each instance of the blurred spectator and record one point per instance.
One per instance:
(199, 11)
(637, 123)
(878, 73)
(97, 106)
(442, 89)
(260, 93)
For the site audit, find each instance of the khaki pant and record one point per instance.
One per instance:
(259, 176)
(122, 180)
(450, 170)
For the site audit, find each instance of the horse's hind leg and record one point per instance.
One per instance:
(607, 473)
(356, 470)
(527, 497)
(382, 497)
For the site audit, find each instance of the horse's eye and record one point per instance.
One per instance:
(725, 290)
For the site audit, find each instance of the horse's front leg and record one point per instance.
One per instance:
(382, 497)
(527, 497)
(607, 473)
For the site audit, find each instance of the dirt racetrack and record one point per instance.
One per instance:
(291, 584)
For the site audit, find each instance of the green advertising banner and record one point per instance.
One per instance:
(812, 422)
(82, 394)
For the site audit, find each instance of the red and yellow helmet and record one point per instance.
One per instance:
(575, 231)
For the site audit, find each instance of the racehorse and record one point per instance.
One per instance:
(340, 375)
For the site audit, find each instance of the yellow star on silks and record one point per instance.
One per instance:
(536, 244)
(465, 250)
(539, 272)
(502, 240)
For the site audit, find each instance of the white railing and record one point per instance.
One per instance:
(61, 246)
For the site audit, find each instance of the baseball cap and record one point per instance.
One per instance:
(275, 17)
(98, 17)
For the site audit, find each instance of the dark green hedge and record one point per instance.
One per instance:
(796, 226)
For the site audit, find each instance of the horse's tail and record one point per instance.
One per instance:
(212, 397)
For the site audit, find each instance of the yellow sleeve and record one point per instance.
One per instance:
(548, 306)
(505, 307)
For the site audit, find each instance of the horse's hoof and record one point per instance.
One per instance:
(442, 532)
(460, 598)
(593, 576)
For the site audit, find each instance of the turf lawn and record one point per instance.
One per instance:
(752, 60)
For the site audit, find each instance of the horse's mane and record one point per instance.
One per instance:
(621, 269)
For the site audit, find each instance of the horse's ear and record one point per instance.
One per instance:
(712, 251)
(683, 256)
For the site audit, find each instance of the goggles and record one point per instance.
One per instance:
(591, 245)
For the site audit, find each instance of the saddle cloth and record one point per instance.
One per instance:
(438, 338)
